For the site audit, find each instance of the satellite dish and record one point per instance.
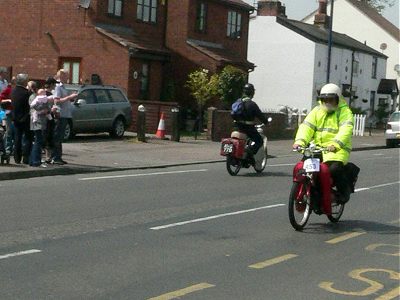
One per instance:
(383, 46)
(397, 68)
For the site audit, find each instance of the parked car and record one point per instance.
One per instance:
(99, 108)
(392, 133)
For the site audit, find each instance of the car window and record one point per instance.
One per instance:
(395, 117)
(102, 96)
(88, 96)
(117, 96)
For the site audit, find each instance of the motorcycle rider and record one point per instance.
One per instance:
(330, 125)
(246, 122)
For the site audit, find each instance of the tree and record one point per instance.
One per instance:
(379, 5)
(230, 84)
(203, 87)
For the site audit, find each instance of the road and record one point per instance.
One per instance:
(195, 232)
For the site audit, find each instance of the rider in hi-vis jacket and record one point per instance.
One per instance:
(330, 125)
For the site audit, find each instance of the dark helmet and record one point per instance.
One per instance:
(249, 90)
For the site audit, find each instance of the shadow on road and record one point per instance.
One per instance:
(352, 225)
(267, 174)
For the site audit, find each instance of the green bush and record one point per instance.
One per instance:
(230, 84)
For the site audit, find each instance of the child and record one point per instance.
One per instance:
(40, 106)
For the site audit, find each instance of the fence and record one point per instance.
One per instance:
(359, 125)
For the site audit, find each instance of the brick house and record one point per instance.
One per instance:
(141, 46)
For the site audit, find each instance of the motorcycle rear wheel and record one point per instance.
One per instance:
(337, 211)
(233, 165)
(299, 209)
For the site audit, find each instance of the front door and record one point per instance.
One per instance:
(84, 115)
(104, 109)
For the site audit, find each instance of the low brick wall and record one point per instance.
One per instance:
(220, 125)
(153, 114)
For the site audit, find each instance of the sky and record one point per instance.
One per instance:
(298, 9)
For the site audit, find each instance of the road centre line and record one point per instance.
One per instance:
(272, 261)
(376, 186)
(345, 237)
(143, 174)
(215, 217)
(183, 292)
(32, 251)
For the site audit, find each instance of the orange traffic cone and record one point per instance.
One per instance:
(161, 128)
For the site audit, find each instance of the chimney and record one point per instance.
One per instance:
(271, 8)
(321, 18)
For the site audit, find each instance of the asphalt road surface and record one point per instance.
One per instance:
(195, 232)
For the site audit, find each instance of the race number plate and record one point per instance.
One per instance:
(228, 148)
(311, 165)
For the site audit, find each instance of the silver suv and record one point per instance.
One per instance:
(99, 108)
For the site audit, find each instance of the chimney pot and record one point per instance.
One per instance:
(271, 8)
(321, 19)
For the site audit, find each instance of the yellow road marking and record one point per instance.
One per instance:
(390, 295)
(272, 261)
(345, 237)
(373, 248)
(183, 292)
(374, 286)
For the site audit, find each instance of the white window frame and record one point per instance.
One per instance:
(115, 7)
(146, 11)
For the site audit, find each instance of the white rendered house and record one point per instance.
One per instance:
(291, 61)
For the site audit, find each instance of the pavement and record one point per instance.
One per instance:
(99, 153)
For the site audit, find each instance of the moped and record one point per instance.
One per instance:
(306, 194)
(237, 155)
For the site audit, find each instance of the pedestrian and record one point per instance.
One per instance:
(3, 80)
(5, 99)
(48, 143)
(20, 116)
(39, 116)
(62, 99)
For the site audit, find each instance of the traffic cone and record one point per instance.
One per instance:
(161, 128)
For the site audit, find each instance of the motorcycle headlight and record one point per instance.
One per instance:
(307, 152)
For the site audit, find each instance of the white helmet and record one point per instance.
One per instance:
(331, 90)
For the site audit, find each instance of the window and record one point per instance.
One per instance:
(73, 66)
(115, 7)
(372, 101)
(147, 10)
(234, 24)
(374, 66)
(356, 65)
(102, 96)
(88, 96)
(201, 17)
(144, 82)
(117, 96)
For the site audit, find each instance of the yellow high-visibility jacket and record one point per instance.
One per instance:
(329, 129)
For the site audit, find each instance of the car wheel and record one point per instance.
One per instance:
(118, 128)
(68, 134)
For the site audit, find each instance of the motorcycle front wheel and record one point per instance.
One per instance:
(299, 205)
(233, 165)
(263, 162)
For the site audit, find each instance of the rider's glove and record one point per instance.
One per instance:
(331, 148)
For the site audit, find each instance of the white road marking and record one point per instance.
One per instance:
(280, 165)
(143, 174)
(32, 251)
(376, 186)
(215, 217)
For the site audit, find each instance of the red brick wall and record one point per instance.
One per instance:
(25, 45)
(217, 20)
(153, 114)
(147, 31)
